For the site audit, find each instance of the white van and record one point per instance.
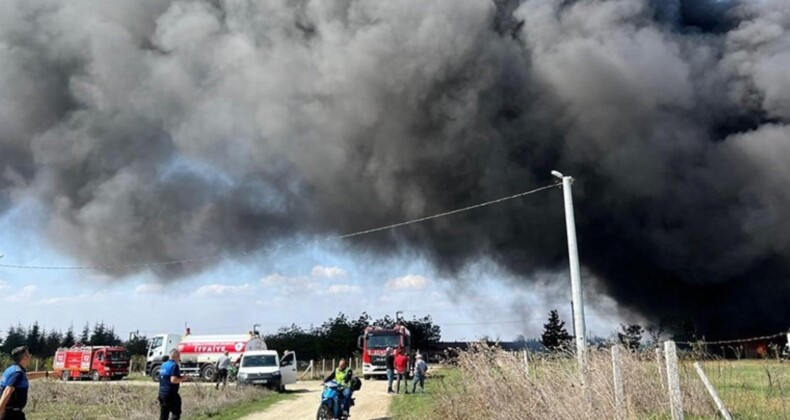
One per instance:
(264, 367)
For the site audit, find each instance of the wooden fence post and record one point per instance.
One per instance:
(619, 393)
(712, 391)
(673, 381)
(526, 364)
(323, 368)
(333, 365)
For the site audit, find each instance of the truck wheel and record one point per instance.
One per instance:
(208, 372)
(155, 373)
(65, 375)
(367, 377)
(95, 376)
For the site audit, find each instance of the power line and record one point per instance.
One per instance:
(297, 245)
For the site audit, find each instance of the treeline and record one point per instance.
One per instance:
(337, 337)
(44, 343)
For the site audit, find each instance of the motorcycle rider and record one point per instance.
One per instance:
(344, 377)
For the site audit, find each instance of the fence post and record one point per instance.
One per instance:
(660, 363)
(333, 365)
(619, 393)
(526, 364)
(712, 392)
(673, 381)
(323, 368)
(36, 365)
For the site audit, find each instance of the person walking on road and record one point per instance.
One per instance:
(170, 380)
(390, 359)
(420, 372)
(223, 363)
(14, 386)
(402, 368)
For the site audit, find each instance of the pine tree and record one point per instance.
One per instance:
(555, 336)
(99, 335)
(16, 337)
(85, 336)
(34, 339)
(68, 339)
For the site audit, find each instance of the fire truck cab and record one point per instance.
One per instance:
(374, 343)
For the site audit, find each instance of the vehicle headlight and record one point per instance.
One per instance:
(277, 373)
(242, 376)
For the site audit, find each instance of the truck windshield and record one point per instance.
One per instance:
(383, 341)
(259, 361)
(156, 342)
(117, 356)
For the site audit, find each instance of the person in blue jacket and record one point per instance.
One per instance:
(170, 380)
(14, 386)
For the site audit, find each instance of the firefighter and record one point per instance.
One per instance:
(170, 379)
(14, 386)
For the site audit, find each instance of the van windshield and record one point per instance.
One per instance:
(259, 361)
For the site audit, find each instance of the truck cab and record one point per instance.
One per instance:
(265, 368)
(159, 346)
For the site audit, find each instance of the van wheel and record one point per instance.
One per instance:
(281, 389)
(208, 373)
(367, 377)
(95, 376)
(65, 375)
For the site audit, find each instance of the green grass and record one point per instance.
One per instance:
(422, 406)
(752, 389)
(246, 408)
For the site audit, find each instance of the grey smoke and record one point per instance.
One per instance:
(157, 130)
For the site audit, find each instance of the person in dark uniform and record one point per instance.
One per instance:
(170, 380)
(14, 386)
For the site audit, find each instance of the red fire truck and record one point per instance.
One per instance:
(93, 362)
(374, 343)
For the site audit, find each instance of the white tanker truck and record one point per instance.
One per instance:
(199, 353)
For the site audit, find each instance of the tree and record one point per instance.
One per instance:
(16, 337)
(51, 343)
(424, 333)
(137, 345)
(33, 340)
(68, 339)
(85, 336)
(631, 336)
(555, 336)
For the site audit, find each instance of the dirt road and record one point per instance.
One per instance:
(372, 403)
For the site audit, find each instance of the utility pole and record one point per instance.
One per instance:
(579, 330)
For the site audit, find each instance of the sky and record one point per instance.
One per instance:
(303, 285)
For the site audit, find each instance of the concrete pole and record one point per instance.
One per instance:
(673, 380)
(617, 377)
(712, 391)
(579, 329)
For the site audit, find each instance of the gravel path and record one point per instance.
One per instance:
(372, 403)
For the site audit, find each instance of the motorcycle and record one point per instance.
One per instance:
(326, 410)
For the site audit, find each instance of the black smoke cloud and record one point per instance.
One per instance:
(157, 130)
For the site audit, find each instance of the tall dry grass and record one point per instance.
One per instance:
(52, 399)
(494, 384)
